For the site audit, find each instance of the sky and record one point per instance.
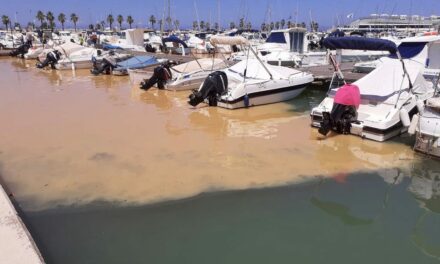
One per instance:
(327, 13)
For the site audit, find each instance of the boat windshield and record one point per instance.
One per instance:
(276, 37)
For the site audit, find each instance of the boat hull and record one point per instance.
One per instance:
(427, 144)
(265, 97)
(384, 133)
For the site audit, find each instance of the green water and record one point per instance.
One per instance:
(361, 218)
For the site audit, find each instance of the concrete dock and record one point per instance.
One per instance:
(16, 243)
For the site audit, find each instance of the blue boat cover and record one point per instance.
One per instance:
(409, 49)
(136, 62)
(107, 46)
(175, 40)
(359, 43)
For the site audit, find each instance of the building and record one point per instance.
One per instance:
(386, 22)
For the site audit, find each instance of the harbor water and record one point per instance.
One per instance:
(103, 172)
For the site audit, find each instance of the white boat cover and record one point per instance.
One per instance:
(388, 79)
(195, 40)
(135, 37)
(225, 40)
(206, 63)
(255, 70)
(69, 47)
(434, 103)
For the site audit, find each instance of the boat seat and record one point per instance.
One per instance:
(434, 103)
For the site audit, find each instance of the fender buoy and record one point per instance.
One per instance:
(413, 126)
(404, 117)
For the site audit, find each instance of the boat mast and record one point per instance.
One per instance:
(218, 15)
(197, 15)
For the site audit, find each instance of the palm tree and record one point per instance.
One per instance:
(249, 25)
(232, 25)
(169, 22)
(289, 24)
(6, 21)
(130, 20)
(110, 20)
(202, 25)
(216, 26)
(208, 26)
(62, 19)
(74, 18)
(282, 23)
(41, 17)
(30, 26)
(120, 19)
(277, 25)
(195, 25)
(263, 27)
(152, 21)
(50, 18)
(241, 23)
(177, 24)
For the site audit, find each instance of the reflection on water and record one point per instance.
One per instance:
(73, 138)
(362, 219)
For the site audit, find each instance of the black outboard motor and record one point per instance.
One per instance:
(51, 59)
(21, 50)
(149, 48)
(160, 76)
(214, 85)
(107, 64)
(338, 120)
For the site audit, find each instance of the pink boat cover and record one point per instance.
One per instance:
(348, 95)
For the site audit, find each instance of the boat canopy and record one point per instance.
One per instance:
(359, 43)
(409, 50)
(175, 40)
(225, 40)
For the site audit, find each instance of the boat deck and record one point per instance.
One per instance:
(324, 73)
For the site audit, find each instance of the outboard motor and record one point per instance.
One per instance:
(160, 76)
(107, 64)
(344, 113)
(214, 85)
(21, 50)
(149, 48)
(51, 59)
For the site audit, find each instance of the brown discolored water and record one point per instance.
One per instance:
(72, 138)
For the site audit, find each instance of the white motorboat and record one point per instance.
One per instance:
(185, 76)
(250, 82)
(388, 95)
(425, 50)
(288, 47)
(73, 56)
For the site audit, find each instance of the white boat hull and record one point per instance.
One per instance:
(265, 97)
